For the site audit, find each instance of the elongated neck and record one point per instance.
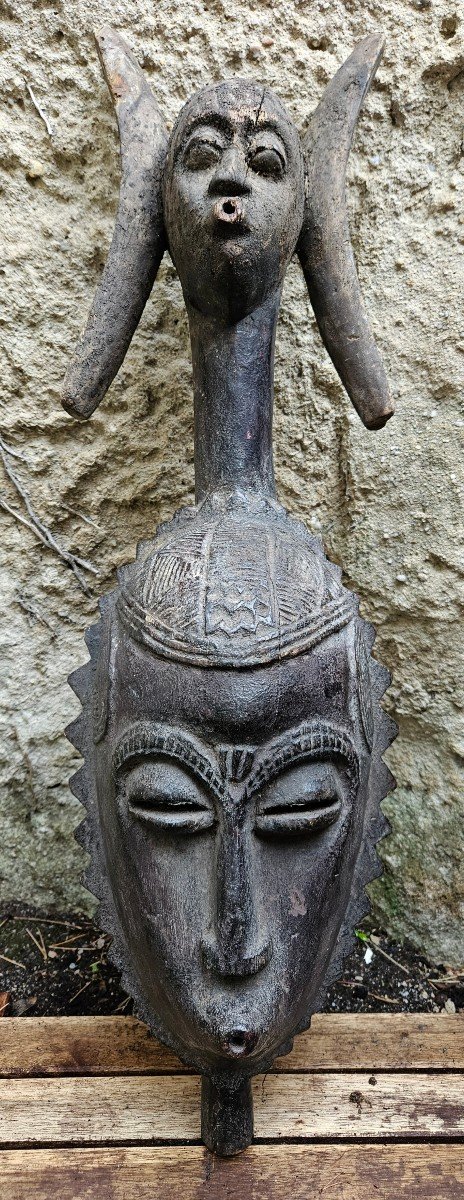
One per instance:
(233, 369)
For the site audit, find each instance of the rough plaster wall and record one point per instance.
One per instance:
(386, 504)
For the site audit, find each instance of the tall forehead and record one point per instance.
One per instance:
(247, 706)
(236, 104)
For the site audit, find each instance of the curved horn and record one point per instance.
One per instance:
(324, 247)
(138, 241)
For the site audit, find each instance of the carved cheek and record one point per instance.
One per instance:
(187, 203)
(164, 856)
(303, 820)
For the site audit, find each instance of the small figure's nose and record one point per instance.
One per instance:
(230, 177)
(242, 946)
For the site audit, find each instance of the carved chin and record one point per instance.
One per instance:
(241, 283)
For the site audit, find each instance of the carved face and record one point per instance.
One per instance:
(231, 806)
(233, 198)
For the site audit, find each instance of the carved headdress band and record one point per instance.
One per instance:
(225, 586)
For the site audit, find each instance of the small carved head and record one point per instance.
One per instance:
(233, 197)
(233, 193)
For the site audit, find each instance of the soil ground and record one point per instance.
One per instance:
(58, 966)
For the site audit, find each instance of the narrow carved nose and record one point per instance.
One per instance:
(241, 946)
(230, 179)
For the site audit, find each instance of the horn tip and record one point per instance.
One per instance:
(77, 407)
(104, 34)
(377, 419)
(376, 38)
(121, 70)
(73, 412)
(372, 46)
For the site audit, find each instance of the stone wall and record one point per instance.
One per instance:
(386, 504)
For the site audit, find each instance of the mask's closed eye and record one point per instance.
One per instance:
(166, 796)
(302, 800)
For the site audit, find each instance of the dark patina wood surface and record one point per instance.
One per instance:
(363, 1107)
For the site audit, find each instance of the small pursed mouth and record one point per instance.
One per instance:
(240, 1043)
(229, 210)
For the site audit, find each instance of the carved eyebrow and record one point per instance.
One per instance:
(224, 124)
(146, 739)
(268, 126)
(312, 740)
(208, 120)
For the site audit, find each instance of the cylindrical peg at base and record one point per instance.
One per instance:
(226, 1117)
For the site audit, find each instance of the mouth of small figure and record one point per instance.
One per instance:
(229, 211)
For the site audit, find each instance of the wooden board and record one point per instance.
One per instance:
(121, 1045)
(364, 1108)
(141, 1108)
(372, 1172)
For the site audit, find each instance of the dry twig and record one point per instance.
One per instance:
(121, 1006)
(378, 950)
(82, 989)
(454, 979)
(14, 453)
(384, 999)
(13, 961)
(42, 943)
(37, 526)
(48, 126)
(41, 948)
(29, 608)
(5, 999)
(67, 944)
(75, 513)
(51, 921)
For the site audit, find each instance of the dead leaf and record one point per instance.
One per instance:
(23, 1004)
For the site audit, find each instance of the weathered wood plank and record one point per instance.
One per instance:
(38, 1046)
(85, 1110)
(426, 1172)
(359, 1105)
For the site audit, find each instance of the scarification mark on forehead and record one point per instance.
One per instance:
(235, 762)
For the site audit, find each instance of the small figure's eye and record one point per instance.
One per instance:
(267, 161)
(303, 800)
(167, 797)
(202, 152)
